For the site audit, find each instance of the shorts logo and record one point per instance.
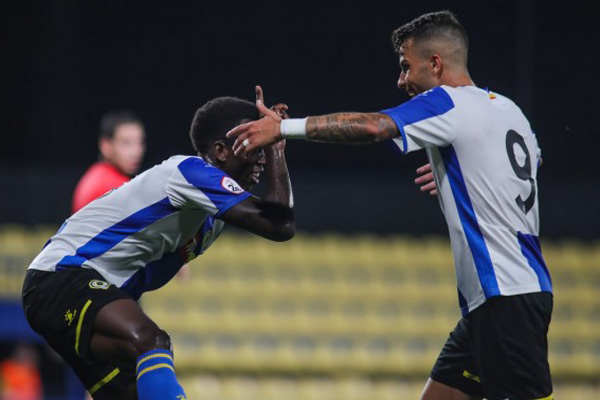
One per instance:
(231, 186)
(97, 284)
(70, 316)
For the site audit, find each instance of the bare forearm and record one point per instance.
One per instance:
(279, 186)
(351, 128)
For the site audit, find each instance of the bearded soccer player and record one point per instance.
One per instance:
(484, 158)
(80, 292)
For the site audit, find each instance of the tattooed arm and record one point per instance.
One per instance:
(351, 128)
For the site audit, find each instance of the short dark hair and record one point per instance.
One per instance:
(429, 26)
(217, 117)
(113, 119)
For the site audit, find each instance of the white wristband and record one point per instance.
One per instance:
(293, 128)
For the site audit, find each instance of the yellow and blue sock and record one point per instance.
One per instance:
(156, 378)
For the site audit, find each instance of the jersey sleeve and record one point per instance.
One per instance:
(425, 121)
(197, 184)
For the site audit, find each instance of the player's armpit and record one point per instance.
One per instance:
(270, 220)
(351, 128)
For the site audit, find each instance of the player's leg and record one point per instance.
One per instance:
(126, 336)
(102, 334)
(454, 376)
(438, 391)
(61, 306)
(510, 346)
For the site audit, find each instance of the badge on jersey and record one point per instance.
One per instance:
(98, 284)
(231, 186)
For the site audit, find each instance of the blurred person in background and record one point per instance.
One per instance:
(20, 376)
(122, 145)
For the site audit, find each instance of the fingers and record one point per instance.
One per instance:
(243, 145)
(259, 94)
(239, 142)
(280, 109)
(262, 109)
(423, 169)
(238, 130)
(424, 179)
(428, 188)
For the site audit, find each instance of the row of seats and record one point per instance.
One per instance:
(249, 387)
(335, 305)
(375, 251)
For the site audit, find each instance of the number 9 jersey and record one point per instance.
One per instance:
(484, 158)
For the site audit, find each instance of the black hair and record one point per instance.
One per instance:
(440, 24)
(217, 117)
(113, 119)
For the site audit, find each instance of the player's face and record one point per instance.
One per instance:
(246, 169)
(126, 148)
(415, 70)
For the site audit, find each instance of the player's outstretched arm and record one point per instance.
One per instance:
(351, 128)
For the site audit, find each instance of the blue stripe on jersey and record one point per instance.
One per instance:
(157, 273)
(466, 212)
(208, 179)
(531, 249)
(426, 105)
(110, 237)
(462, 303)
(154, 275)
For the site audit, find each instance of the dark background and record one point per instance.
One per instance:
(64, 64)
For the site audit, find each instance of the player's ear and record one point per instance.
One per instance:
(105, 147)
(436, 64)
(220, 151)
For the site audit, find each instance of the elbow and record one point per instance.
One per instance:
(375, 133)
(285, 233)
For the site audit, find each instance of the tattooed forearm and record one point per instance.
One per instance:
(351, 128)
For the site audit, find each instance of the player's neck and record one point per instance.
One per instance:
(457, 79)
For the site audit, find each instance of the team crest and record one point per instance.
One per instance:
(98, 284)
(231, 186)
(70, 316)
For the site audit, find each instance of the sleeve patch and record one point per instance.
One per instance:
(231, 186)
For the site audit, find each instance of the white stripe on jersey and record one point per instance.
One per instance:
(484, 157)
(139, 235)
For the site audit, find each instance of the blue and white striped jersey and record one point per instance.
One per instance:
(484, 158)
(139, 235)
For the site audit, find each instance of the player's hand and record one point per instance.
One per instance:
(281, 110)
(261, 133)
(425, 180)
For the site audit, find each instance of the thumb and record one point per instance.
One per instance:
(262, 109)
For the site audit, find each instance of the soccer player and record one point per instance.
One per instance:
(122, 145)
(484, 157)
(80, 292)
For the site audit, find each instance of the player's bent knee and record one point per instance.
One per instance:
(148, 338)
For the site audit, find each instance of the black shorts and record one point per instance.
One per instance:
(61, 307)
(500, 350)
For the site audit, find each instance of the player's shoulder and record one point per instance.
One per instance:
(477, 94)
(192, 168)
(185, 162)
